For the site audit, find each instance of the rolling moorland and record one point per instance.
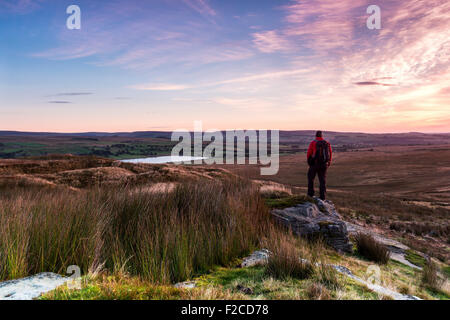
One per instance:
(14, 144)
(131, 227)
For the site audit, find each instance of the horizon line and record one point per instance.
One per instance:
(221, 130)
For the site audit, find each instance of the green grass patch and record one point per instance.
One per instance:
(360, 291)
(254, 278)
(438, 294)
(226, 276)
(415, 258)
(121, 288)
(446, 271)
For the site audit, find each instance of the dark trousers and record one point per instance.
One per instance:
(321, 172)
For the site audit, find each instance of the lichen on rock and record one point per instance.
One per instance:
(312, 220)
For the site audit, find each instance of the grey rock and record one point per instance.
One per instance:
(256, 258)
(185, 285)
(328, 207)
(313, 220)
(30, 287)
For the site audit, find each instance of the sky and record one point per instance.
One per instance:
(247, 64)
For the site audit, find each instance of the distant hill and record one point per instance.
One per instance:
(355, 139)
(300, 137)
(136, 134)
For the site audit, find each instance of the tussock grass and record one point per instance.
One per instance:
(430, 277)
(316, 291)
(287, 260)
(295, 258)
(274, 191)
(328, 276)
(371, 249)
(162, 237)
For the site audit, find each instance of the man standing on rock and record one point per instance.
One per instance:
(319, 159)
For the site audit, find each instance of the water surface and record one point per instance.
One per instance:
(165, 159)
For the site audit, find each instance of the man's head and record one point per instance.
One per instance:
(319, 134)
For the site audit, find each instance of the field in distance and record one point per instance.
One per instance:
(127, 145)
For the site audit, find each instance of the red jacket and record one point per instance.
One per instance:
(312, 148)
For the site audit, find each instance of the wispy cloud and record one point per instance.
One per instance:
(407, 61)
(73, 94)
(265, 76)
(273, 75)
(372, 83)
(245, 103)
(201, 6)
(160, 87)
(293, 58)
(59, 101)
(176, 37)
(271, 41)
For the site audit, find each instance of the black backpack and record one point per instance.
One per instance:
(322, 155)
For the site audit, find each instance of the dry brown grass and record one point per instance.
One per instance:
(270, 190)
(316, 291)
(430, 277)
(88, 171)
(163, 237)
(287, 258)
(371, 249)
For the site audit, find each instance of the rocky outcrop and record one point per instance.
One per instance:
(319, 219)
(30, 287)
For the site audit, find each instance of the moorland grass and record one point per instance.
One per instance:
(162, 237)
(371, 249)
(430, 276)
(287, 260)
(415, 258)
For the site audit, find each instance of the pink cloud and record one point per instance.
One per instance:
(270, 41)
(372, 83)
(202, 7)
(407, 62)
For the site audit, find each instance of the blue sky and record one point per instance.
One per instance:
(275, 64)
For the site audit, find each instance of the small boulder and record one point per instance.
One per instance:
(185, 285)
(312, 220)
(256, 258)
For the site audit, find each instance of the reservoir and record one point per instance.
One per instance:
(165, 159)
